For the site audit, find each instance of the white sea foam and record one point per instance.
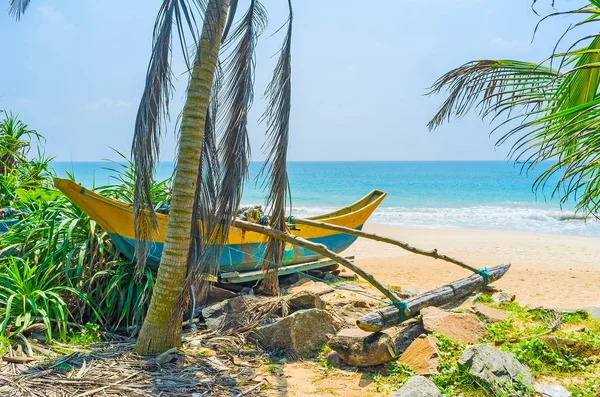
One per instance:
(511, 218)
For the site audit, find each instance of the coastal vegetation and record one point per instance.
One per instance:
(548, 108)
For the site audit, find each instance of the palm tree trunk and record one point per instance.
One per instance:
(163, 324)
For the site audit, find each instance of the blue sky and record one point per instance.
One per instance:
(74, 70)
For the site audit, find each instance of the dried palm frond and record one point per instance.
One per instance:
(277, 115)
(154, 109)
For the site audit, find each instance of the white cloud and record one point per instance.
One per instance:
(502, 44)
(109, 105)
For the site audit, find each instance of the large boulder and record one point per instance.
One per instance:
(422, 356)
(301, 332)
(494, 367)
(228, 314)
(363, 349)
(576, 347)
(418, 386)
(462, 327)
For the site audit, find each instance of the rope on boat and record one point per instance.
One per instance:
(485, 273)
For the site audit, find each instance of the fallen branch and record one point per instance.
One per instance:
(319, 249)
(389, 316)
(371, 236)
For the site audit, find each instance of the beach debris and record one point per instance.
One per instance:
(305, 300)
(418, 386)
(503, 297)
(552, 390)
(465, 328)
(301, 332)
(494, 367)
(576, 347)
(422, 356)
(391, 315)
(489, 314)
(228, 314)
(363, 349)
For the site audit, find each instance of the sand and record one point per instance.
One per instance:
(547, 270)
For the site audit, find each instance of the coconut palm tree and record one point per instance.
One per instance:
(549, 110)
(209, 176)
(213, 155)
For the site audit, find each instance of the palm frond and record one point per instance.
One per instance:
(234, 148)
(489, 85)
(16, 8)
(557, 113)
(277, 115)
(153, 110)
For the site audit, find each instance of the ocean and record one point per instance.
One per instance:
(480, 195)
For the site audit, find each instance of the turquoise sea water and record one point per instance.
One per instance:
(459, 195)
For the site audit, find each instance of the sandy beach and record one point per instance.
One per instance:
(547, 270)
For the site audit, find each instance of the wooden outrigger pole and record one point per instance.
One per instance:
(319, 249)
(398, 311)
(371, 236)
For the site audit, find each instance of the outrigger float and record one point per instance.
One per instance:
(312, 243)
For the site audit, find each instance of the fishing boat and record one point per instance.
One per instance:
(243, 250)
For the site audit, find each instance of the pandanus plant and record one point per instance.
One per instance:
(213, 151)
(550, 110)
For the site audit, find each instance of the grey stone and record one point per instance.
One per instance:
(494, 367)
(305, 300)
(502, 297)
(228, 314)
(552, 390)
(594, 312)
(418, 386)
(301, 332)
(363, 349)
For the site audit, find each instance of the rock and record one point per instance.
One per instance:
(552, 391)
(462, 327)
(410, 293)
(418, 386)
(503, 297)
(577, 347)
(422, 356)
(494, 367)
(335, 360)
(330, 268)
(348, 275)
(247, 291)
(301, 332)
(594, 312)
(305, 300)
(489, 314)
(227, 314)
(330, 278)
(363, 349)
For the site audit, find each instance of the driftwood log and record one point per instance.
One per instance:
(359, 233)
(390, 315)
(319, 249)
